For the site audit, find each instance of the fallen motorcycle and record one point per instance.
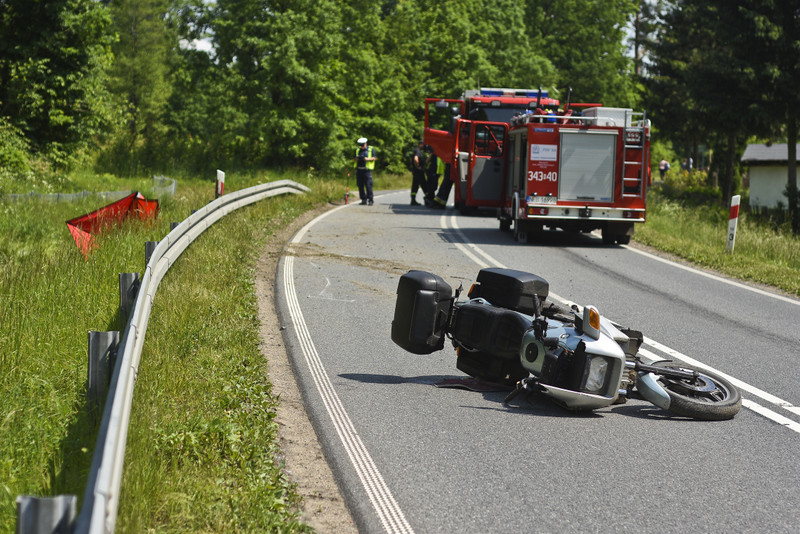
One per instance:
(507, 333)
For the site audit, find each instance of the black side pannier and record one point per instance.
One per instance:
(421, 312)
(509, 288)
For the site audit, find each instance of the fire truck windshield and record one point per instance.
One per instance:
(503, 113)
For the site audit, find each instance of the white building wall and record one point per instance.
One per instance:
(767, 185)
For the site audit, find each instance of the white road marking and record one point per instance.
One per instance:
(381, 498)
(744, 386)
(467, 247)
(733, 283)
(323, 296)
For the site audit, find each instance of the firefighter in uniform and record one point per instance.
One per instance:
(418, 173)
(440, 200)
(364, 162)
(434, 168)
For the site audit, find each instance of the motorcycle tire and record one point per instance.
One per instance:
(709, 398)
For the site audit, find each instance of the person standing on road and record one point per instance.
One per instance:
(364, 163)
(417, 173)
(434, 168)
(440, 200)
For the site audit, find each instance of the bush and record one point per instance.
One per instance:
(690, 187)
(14, 149)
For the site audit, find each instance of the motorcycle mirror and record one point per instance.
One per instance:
(591, 322)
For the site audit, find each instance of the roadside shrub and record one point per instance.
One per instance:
(14, 149)
(690, 187)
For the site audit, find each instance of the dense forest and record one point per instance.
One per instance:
(133, 86)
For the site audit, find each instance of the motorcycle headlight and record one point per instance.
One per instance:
(596, 373)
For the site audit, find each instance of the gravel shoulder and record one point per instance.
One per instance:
(324, 508)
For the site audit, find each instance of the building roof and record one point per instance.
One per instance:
(760, 153)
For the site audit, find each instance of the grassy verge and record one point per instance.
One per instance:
(762, 254)
(202, 454)
(50, 299)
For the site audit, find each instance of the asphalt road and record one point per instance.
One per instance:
(412, 457)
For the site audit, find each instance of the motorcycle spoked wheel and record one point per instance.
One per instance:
(708, 398)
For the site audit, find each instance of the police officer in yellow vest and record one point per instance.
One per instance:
(364, 163)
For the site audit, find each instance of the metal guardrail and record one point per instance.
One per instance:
(98, 512)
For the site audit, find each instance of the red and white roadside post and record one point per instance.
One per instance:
(734, 219)
(220, 183)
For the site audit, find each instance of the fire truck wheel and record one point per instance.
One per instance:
(609, 238)
(520, 236)
(505, 225)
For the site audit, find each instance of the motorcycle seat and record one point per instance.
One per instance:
(488, 329)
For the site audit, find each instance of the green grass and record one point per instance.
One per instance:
(202, 450)
(762, 254)
(203, 446)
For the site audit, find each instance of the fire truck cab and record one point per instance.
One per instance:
(579, 168)
(469, 135)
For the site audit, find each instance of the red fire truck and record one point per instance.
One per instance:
(580, 167)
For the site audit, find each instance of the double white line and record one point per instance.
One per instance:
(381, 498)
(483, 260)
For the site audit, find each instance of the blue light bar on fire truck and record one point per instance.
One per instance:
(496, 91)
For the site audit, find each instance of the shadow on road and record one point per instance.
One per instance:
(526, 404)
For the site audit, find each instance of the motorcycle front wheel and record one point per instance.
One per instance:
(708, 397)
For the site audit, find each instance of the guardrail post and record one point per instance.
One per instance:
(732, 221)
(173, 225)
(40, 515)
(102, 353)
(149, 247)
(128, 288)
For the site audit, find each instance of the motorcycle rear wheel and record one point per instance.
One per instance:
(708, 398)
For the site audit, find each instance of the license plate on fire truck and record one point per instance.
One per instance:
(551, 201)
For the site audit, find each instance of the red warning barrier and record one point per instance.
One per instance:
(84, 228)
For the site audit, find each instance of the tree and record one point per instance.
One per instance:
(772, 50)
(279, 57)
(295, 83)
(726, 71)
(645, 26)
(702, 88)
(54, 57)
(143, 54)
(374, 88)
(583, 39)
